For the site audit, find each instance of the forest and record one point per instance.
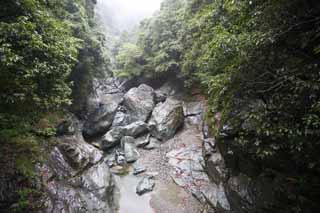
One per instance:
(256, 62)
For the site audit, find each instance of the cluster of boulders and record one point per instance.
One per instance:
(140, 118)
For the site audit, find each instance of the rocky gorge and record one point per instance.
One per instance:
(204, 106)
(145, 149)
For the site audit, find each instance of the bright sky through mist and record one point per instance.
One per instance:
(125, 14)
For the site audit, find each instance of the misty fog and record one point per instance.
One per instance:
(120, 15)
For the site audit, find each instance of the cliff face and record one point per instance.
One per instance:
(243, 183)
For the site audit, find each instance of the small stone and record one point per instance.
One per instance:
(138, 169)
(130, 151)
(142, 141)
(111, 161)
(119, 170)
(145, 185)
(153, 144)
(152, 174)
(192, 108)
(120, 157)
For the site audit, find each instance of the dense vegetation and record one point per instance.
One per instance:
(258, 61)
(49, 52)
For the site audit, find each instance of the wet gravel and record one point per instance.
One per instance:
(168, 197)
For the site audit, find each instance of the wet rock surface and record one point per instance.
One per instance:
(166, 118)
(100, 120)
(77, 179)
(130, 152)
(145, 185)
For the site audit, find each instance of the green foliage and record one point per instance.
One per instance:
(38, 53)
(28, 197)
(129, 60)
(159, 46)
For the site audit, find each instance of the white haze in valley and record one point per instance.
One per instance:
(121, 15)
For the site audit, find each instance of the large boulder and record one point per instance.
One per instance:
(139, 102)
(71, 156)
(114, 136)
(166, 118)
(77, 180)
(135, 129)
(101, 119)
(92, 191)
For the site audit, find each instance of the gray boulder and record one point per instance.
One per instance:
(100, 120)
(71, 156)
(166, 118)
(130, 152)
(142, 141)
(121, 119)
(145, 185)
(92, 191)
(79, 180)
(135, 129)
(139, 102)
(138, 169)
(153, 144)
(112, 137)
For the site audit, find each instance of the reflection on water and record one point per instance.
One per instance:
(130, 202)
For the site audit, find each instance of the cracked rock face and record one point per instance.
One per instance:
(92, 191)
(72, 156)
(78, 180)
